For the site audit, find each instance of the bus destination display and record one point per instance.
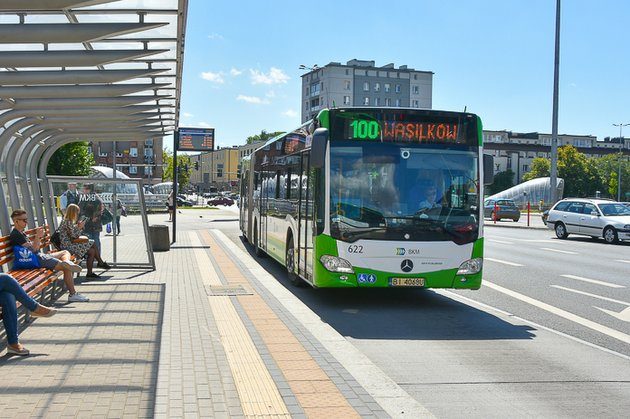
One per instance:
(402, 127)
(195, 139)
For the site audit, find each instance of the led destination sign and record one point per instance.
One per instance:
(403, 132)
(195, 139)
(404, 126)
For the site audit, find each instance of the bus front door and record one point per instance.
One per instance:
(305, 220)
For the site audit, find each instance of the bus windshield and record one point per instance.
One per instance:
(390, 191)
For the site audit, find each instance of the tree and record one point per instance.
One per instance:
(608, 167)
(72, 159)
(263, 136)
(502, 181)
(578, 171)
(541, 167)
(185, 168)
(580, 174)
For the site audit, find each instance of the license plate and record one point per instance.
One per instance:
(406, 282)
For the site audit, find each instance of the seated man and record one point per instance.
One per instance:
(56, 261)
(10, 290)
(430, 198)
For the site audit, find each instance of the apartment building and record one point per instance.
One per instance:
(136, 159)
(361, 83)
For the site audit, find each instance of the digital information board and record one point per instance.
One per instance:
(195, 139)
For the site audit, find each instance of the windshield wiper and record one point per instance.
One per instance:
(355, 234)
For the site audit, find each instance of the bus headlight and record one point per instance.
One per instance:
(335, 264)
(471, 266)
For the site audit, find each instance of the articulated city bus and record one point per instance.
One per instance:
(371, 197)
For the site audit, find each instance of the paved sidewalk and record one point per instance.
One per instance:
(199, 337)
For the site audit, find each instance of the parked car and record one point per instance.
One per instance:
(590, 217)
(498, 209)
(221, 200)
(183, 202)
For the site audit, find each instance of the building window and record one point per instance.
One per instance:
(347, 72)
(366, 86)
(377, 87)
(398, 103)
(133, 170)
(416, 104)
(416, 90)
(415, 77)
(398, 88)
(525, 168)
(387, 87)
(133, 152)
(306, 105)
(376, 101)
(219, 170)
(366, 101)
(346, 100)
(346, 84)
(388, 102)
(148, 143)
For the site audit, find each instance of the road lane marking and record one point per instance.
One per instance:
(559, 251)
(612, 300)
(623, 315)
(488, 308)
(503, 261)
(622, 261)
(499, 241)
(593, 281)
(562, 313)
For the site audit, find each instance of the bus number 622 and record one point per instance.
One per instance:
(355, 248)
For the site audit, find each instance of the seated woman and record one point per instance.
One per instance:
(72, 240)
(10, 290)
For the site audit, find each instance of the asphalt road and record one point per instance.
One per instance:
(586, 278)
(544, 337)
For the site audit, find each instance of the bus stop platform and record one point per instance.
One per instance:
(209, 333)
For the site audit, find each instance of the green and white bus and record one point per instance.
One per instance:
(343, 200)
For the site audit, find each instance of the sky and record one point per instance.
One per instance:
(493, 57)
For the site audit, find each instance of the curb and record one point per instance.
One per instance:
(514, 226)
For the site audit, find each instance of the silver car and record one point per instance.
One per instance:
(590, 217)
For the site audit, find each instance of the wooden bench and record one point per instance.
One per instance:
(36, 282)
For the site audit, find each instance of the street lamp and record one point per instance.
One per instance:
(305, 67)
(621, 143)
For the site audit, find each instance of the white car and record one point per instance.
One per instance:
(590, 217)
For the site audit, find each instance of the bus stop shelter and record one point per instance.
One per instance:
(90, 70)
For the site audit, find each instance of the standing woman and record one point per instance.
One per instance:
(71, 240)
(170, 204)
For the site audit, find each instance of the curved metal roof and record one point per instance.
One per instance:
(89, 70)
(67, 54)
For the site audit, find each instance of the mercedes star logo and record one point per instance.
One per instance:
(406, 265)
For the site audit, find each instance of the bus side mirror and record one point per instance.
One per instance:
(488, 169)
(318, 148)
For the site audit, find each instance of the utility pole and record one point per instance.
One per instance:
(621, 144)
(554, 120)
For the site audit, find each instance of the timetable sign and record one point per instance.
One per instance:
(195, 139)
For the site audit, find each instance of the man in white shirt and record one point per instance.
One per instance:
(430, 198)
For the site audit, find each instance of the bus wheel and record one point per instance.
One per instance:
(290, 262)
(257, 250)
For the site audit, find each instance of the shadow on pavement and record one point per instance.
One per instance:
(418, 314)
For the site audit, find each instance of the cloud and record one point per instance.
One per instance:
(270, 94)
(213, 77)
(187, 115)
(204, 124)
(215, 36)
(252, 99)
(290, 113)
(275, 76)
(235, 72)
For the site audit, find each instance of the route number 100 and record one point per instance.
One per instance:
(365, 129)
